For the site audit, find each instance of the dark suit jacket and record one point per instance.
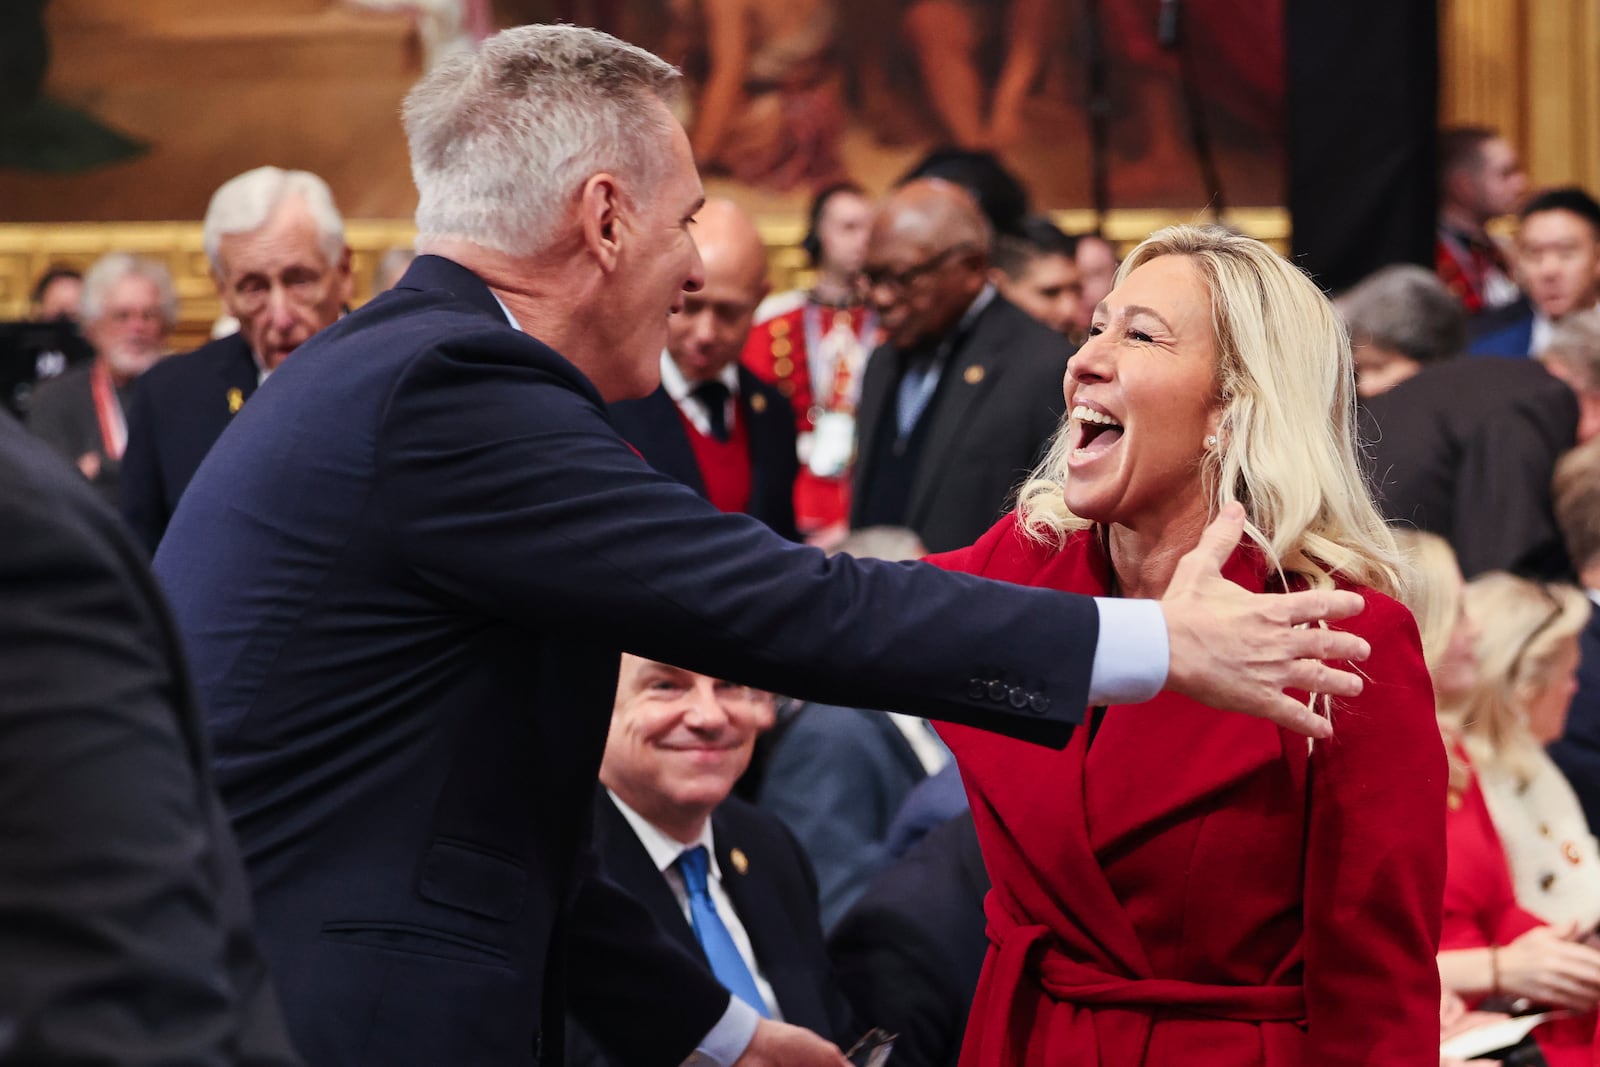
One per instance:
(998, 403)
(775, 896)
(1577, 753)
(1465, 449)
(655, 428)
(177, 411)
(1506, 331)
(836, 777)
(934, 802)
(62, 415)
(910, 952)
(124, 914)
(405, 573)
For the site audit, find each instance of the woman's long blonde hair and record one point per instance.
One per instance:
(1287, 435)
(1432, 590)
(1521, 626)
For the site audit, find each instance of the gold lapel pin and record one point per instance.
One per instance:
(741, 862)
(972, 375)
(758, 403)
(235, 401)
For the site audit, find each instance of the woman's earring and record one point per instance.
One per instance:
(1211, 440)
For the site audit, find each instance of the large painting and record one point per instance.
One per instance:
(1093, 103)
(791, 94)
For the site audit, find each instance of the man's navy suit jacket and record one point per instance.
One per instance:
(773, 892)
(177, 411)
(405, 574)
(654, 426)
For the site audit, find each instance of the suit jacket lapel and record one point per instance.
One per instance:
(239, 376)
(755, 896)
(874, 404)
(764, 425)
(626, 863)
(970, 373)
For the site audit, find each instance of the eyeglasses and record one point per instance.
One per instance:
(1533, 635)
(900, 281)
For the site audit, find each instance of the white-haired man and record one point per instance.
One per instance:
(406, 572)
(129, 309)
(276, 245)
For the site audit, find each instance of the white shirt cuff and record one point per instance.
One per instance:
(1131, 658)
(728, 1039)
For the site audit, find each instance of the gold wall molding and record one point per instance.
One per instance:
(1531, 69)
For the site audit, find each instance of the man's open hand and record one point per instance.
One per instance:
(1239, 651)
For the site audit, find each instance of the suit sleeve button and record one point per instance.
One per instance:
(998, 692)
(977, 689)
(1039, 703)
(1018, 697)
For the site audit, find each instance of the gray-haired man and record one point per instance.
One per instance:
(276, 245)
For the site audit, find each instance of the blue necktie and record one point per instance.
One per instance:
(723, 954)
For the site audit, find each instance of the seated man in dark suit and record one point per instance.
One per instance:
(909, 953)
(1558, 260)
(961, 399)
(124, 914)
(1577, 501)
(276, 245)
(726, 880)
(1464, 448)
(713, 424)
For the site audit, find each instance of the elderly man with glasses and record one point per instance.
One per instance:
(278, 256)
(960, 400)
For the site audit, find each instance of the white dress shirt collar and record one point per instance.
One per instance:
(664, 850)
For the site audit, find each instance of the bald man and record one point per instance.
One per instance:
(712, 424)
(960, 401)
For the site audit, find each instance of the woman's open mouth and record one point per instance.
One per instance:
(1093, 432)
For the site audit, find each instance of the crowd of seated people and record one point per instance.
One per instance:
(893, 409)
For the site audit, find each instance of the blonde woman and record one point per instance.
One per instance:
(1493, 948)
(1527, 651)
(1175, 886)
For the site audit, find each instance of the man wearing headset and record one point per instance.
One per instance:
(813, 345)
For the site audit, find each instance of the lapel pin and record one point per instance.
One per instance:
(235, 401)
(741, 862)
(972, 375)
(758, 403)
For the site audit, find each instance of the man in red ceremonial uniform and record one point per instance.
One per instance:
(712, 424)
(1479, 180)
(813, 349)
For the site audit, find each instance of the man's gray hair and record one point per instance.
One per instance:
(111, 268)
(1406, 308)
(502, 139)
(248, 201)
(1575, 344)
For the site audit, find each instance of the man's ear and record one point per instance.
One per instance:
(346, 279)
(599, 213)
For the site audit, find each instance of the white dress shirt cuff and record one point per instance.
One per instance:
(1131, 658)
(728, 1039)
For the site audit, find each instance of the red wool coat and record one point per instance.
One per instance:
(1196, 887)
